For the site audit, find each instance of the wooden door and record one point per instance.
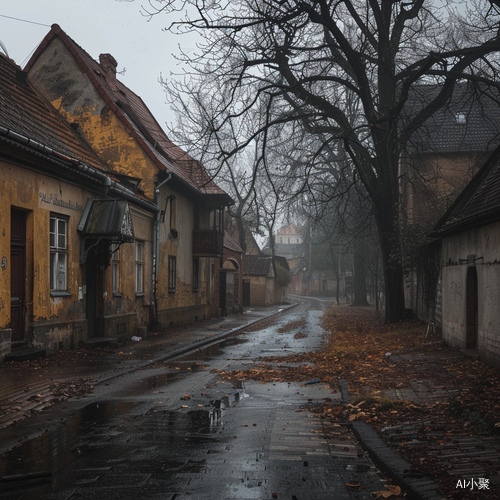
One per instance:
(471, 309)
(246, 293)
(95, 268)
(17, 273)
(222, 292)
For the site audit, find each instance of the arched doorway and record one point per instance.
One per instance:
(471, 309)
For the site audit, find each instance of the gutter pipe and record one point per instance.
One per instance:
(156, 245)
(81, 167)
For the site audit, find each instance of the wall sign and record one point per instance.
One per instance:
(53, 199)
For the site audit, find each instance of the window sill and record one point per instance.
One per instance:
(139, 294)
(171, 291)
(60, 293)
(117, 294)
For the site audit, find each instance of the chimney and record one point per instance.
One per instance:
(108, 64)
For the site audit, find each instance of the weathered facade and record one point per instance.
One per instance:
(441, 159)
(260, 281)
(107, 228)
(470, 232)
(57, 284)
(231, 278)
(185, 240)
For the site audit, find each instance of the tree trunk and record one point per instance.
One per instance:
(359, 273)
(386, 217)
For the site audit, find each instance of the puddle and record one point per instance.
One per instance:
(209, 352)
(148, 385)
(93, 443)
(57, 447)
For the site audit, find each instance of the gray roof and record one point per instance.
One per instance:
(479, 202)
(469, 123)
(257, 265)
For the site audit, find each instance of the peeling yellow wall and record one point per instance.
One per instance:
(61, 79)
(39, 196)
(113, 143)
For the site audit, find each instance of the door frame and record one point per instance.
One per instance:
(18, 249)
(471, 309)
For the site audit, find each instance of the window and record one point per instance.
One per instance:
(139, 267)
(115, 256)
(281, 239)
(171, 273)
(58, 253)
(217, 220)
(289, 240)
(196, 274)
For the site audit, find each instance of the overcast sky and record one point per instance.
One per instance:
(101, 26)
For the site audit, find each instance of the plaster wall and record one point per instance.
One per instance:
(40, 196)
(69, 89)
(59, 322)
(454, 305)
(483, 243)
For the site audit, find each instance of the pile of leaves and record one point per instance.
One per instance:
(60, 358)
(72, 388)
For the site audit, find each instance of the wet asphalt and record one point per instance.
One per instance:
(178, 430)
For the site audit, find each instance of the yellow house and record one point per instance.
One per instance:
(64, 217)
(185, 240)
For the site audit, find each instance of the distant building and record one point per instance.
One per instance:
(261, 285)
(289, 242)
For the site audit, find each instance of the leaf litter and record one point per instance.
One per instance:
(387, 367)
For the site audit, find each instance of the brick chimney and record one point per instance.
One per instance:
(108, 64)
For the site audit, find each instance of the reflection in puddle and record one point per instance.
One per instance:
(58, 447)
(209, 352)
(95, 446)
(146, 385)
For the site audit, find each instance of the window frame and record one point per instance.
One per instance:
(115, 269)
(139, 268)
(172, 273)
(59, 251)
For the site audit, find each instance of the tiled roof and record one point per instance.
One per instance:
(25, 112)
(136, 116)
(298, 264)
(290, 229)
(479, 202)
(469, 124)
(257, 265)
(231, 244)
(289, 250)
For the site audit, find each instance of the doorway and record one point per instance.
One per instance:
(17, 273)
(95, 268)
(471, 309)
(246, 293)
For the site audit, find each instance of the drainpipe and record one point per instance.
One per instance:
(156, 244)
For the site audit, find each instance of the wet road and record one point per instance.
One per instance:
(182, 431)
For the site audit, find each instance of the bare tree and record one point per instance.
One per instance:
(295, 61)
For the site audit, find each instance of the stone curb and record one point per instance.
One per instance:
(392, 464)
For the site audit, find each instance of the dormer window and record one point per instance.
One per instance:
(460, 118)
